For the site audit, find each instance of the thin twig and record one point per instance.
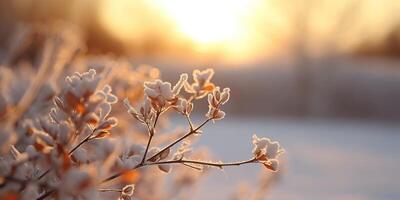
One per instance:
(110, 190)
(165, 148)
(44, 173)
(186, 163)
(87, 138)
(191, 166)
(151, 130)
(189, 121)
(36, 84)
(119, 174)
(200, 162)
(147, 147)
(180, 139)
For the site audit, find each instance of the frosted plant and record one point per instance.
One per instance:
(70, 138)
(161, 96)
(70, 153)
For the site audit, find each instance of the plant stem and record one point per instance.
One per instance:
(199, 162)
(147, 148)
(179, 139)
(165, 148)
(70, 152)
(49, 54)
(82, 142)
(118, 175)
(151, 133)
(185, 162)
(189, 121)
(110, 190)
(44, 173)
(191, 166)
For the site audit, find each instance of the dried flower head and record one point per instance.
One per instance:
(161, 93)
(202, 83)
(215, 100)
(267, 152)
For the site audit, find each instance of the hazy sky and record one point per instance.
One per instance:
(244, 29)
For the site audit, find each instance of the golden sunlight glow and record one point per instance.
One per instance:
(208, 21)
(222, 26)
(242, 30)
(129, 20)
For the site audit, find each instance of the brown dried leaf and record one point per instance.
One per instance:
(164, 154)
(269, 167)
(102, 134)
(165, 168)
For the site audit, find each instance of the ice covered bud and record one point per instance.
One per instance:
(202, 83)
(127, 192)
(267, 152)
(183, 106)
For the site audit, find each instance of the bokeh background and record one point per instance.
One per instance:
(320, 76)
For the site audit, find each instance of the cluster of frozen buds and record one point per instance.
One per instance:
(82, 104)
(52, 147)
(267, 151)
(215, 100)
(162, 94)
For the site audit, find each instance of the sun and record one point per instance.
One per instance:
(227, 28)
(208, 21)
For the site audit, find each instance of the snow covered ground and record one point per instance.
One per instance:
(325, 159)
